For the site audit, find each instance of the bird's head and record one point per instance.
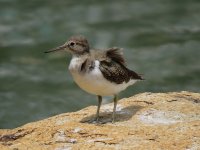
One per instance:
(77, 45)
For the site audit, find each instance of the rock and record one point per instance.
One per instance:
(144, 121)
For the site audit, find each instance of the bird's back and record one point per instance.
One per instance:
(113, 66)
(102, 72)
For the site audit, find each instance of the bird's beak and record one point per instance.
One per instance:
(57, 48)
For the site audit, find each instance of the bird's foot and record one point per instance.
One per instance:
(99, 120)
(94, 120)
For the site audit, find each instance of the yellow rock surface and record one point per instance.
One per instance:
(169, 121)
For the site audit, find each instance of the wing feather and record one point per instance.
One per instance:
(117, 73)
(116, 55)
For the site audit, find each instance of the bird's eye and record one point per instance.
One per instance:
(72, 44)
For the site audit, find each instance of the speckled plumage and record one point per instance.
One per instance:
(99, 72)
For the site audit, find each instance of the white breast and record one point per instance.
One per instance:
(94, 82)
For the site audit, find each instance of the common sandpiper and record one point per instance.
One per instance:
(98, 72)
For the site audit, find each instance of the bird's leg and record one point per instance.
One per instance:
(99, 105)
(114, 108)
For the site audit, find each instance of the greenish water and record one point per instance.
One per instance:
(161, 39)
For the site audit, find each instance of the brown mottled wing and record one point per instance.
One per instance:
(116, 55)
(116, 72)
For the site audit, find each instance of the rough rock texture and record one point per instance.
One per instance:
(145, 121)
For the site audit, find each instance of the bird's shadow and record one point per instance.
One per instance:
(124, 114)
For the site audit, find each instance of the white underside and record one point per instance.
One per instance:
(94, 82)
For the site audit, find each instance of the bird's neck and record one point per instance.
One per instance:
(81, 55)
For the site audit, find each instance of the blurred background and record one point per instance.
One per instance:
(161, 39)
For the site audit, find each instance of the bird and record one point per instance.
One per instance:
(100, 72)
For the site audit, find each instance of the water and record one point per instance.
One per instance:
(160, 38)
